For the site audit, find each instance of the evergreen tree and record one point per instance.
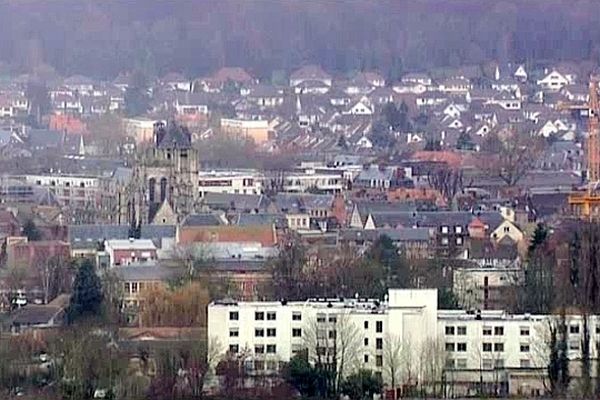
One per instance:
(465, 142)
(31, 231)
(87, 296)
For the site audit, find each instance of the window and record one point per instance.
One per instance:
(134, 287)
(444, 241)
(271, 316)
(487, 347)
(459, 241)
(573, 344)
(259, 349)
(366, 358)
(234, 348)
(127, 287)
(506, 229)
(487, 331)
(333, 319)
(499, 347)
(461, 330)
(234, 315)
(574, 329)
(461, 363)
(449, 346)
(296, 332)
(486, 363)
(499, 330)
(320, 317)
(332, 334)
(525, 363)
(449, 330)
(597, 329)
(259, 316)
(366, 341)
(379, 361)
(379, 343)
(379, 326)
(499, 363)
(272, 365)
(458, 229)
(234, 332)
(524, 348)
(259, 365)
(524, 331)
(444, 229)
(271, 332)
(450, 363)
(366, 324)
(271, 349)
(259, 332)
(296, 316)
(461, 347)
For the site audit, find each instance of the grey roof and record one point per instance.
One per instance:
(235, 201)
(278, 220)
(87, 236)
(301, 202)
(192, 99)
(396, 234)
(202, 219)
(373, 172)
(482, 249)
(33, 314)
(435, 219)
(147, 272)
(173, 137)
(44, 138)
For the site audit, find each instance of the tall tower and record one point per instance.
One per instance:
(593, 146)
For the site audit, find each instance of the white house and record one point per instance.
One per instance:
(361, 107)
(554, 81)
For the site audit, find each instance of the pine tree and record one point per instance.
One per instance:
(31, 231)
(86, 299)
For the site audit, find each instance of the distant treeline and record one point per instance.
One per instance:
(272, 37)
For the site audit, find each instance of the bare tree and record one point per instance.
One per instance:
(432, 363)
(511, 156)
(447, 180)
(392, 360)
(52, 274)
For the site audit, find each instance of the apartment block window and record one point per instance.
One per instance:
(444, 241)
(271, 365)
(444, 229)
(259, 332)
(461, 347)
(321, 318)
(449, 330)
(127, 287)
(487, 347)
(366, 341)
(332, 334)
(487, 331)
(234, 348)
(487, 363)
(459, 241)
(573, 344)
(259, 316)
(259, 349)
(366, 358)
(524, 348)
(524, 331)
(296, 332)
(498, 330)
(379, 344)
(574, 329)
(449, 346)
(499, 363)
(461, 363)
(450, 363)
(271, 316)
(271, 349)
(525, 363)
(379, 361)
(458, 229)
(461, 330)
(259, 365)
(234, 333)
(379, 326)
(271, 332)
(366, 324)
(296, 316)
(499, 347)
(597, 329)
(134, 287)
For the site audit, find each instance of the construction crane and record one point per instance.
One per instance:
(586, 204)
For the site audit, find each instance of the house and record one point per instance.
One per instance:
(419, 78)
(361, 106)
(555, 81)
(39, 317)
(21, 252)
(376, 177)
(310, 73)
(191, 105)
(127, 251)
(412, 243)
(455, 86)
(137, 278)
(266, 96)
(264, 234)
(176, 81)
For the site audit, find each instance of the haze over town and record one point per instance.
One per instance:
(299, 199)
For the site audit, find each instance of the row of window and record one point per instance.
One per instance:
(486, 363)
(258, 349)
(258, 316)
(378, 360)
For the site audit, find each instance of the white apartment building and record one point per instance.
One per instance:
(74, 190)
(231, 182)
(463, 350)
(327, 181)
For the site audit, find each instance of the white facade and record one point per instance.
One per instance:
(231, 182)
(302, 181)
(554, 81)
(462, 348)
